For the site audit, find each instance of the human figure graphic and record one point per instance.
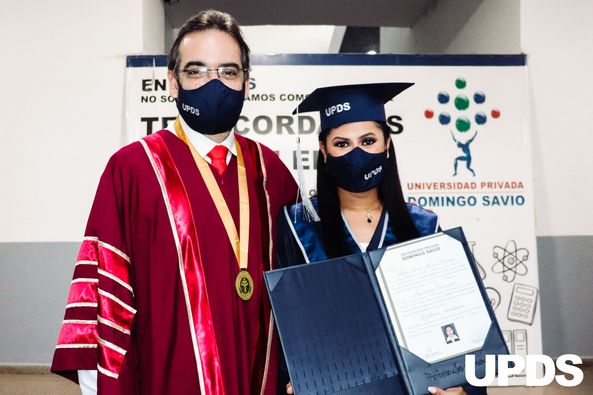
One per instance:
(467, 156)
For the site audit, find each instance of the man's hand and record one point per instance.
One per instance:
(448, 391)
(289, 390)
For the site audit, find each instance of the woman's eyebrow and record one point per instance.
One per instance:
(340, 138)
(364, 136)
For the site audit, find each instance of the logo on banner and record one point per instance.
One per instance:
(464, 128)
(513, 365)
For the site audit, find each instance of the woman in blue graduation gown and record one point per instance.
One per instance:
(359, 204)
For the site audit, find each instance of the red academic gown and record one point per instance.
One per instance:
(127, 312)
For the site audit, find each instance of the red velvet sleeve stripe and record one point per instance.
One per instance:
(116, 311)
(77, 332)
(82, 292)
(77, 329)
(99, 311)
(118, 280)
(113, 325)
(115, 263)
(88, 250)
(82, 313)
(111, 358)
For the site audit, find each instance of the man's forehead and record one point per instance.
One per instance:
(208, 47)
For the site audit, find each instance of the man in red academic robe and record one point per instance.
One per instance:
(168, 295)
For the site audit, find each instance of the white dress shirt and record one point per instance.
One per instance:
(88, 382)
(204, 144)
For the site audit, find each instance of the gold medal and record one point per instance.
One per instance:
(244, 285)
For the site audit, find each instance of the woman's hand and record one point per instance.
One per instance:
(289, 390)
(448, 391)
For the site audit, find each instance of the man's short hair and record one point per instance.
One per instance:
(209, 19)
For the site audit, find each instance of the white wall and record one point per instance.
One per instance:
(63, 64)
(469, 26)
(153, 27)
(492, 28)
(269, 39)
(558, 39)
(283, 39)
(397, 40)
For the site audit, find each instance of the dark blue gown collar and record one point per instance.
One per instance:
(307, 233)
(377, 239)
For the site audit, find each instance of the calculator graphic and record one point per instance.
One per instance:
(523, 304)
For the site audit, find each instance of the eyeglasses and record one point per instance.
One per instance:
(227, 73)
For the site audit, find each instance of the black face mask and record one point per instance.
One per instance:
(212, 108)
(358, 170)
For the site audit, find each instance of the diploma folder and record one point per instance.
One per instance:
(337, 334)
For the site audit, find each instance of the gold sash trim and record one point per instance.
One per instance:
(239, 241)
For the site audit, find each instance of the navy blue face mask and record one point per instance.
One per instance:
(212, 108)
(358, 170)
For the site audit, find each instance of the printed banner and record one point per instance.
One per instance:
(461, 138)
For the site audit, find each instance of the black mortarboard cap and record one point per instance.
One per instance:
(342, 104)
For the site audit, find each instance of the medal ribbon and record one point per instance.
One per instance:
(239, 242)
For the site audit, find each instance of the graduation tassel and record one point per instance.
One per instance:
(309, 211)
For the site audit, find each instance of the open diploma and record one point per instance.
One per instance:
(433, 299)
(389, 321)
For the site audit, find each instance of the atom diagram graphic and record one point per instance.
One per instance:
(510, 261)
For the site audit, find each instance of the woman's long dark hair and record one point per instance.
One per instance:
(390, 193)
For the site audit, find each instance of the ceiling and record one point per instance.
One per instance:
(394, 13)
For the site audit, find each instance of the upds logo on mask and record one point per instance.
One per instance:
(189, 109)
(212, 108)
(358, 170)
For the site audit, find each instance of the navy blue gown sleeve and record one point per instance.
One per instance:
(288, 254)
(287, 249)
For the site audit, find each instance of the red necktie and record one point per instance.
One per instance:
(218, 157)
